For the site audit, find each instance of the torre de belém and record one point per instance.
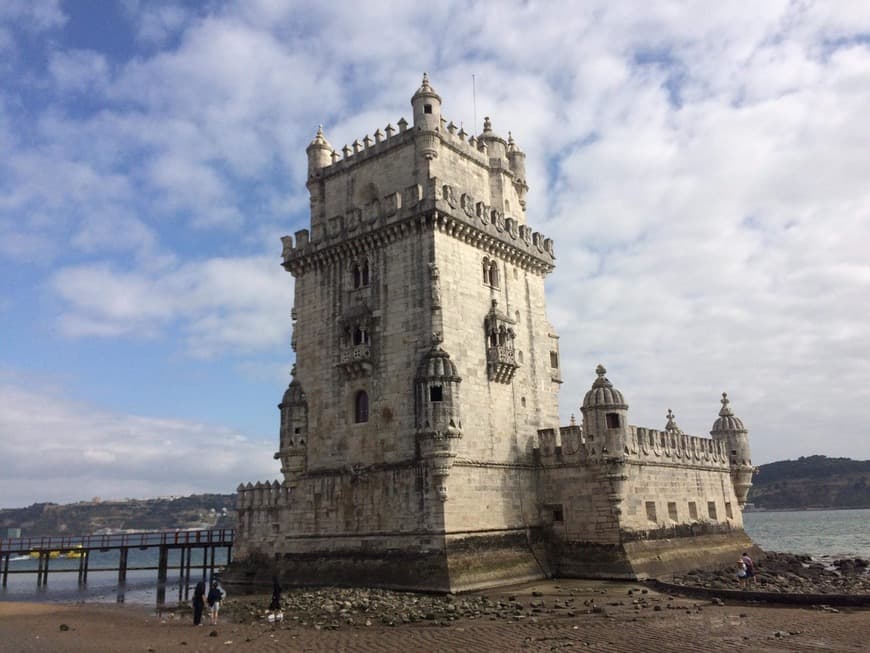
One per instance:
(420, 443)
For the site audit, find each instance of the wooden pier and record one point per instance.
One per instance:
(81, 547)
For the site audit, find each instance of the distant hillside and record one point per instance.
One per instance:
(89, 517)
(812, 482)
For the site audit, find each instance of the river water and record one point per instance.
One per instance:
(823, 534)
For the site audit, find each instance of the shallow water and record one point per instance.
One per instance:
(823, 534)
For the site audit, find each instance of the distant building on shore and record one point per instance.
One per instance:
(420, 442)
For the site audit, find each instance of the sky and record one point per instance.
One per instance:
(702, 167)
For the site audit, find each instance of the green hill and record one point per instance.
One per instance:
(812, 482)
(89, 517)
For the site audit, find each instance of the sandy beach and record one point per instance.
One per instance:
(556, 616)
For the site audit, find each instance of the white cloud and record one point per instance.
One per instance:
(55, 449)
(220, 304)
(79, 70)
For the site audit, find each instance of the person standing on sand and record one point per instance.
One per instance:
(198, 602)
(750, 568)
(215, 596)
(741, 573)
(276, 595)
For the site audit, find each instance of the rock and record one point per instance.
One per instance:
(64, 628)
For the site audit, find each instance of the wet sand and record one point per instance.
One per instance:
(617, 622)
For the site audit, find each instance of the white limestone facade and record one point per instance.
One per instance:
(420, 443)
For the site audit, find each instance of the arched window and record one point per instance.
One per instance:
(365, 273)
(486, 269)
(357, 276)
(493, 274)
(361, 407)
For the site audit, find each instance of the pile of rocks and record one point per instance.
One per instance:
(333, 607)
(790, 573)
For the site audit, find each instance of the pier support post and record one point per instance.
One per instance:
(122, 565)
(87, 561)
(6, 567)
(162, 564)
(185, 574)
(42, 569)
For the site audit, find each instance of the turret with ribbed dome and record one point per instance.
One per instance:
(439, 425)
(603, 394)
(729, 429)
(294, 431)
(605, 414)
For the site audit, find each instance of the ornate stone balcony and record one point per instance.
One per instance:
(501, 363)
(356, 360)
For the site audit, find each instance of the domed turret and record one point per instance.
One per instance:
(294, 431)
(438, 420)
(605, 415)
(319, 152)
(427, 107)
(603, 394)
(496, 146)
(517, 163)
(727, 422)
(729, 429)
(437, 384)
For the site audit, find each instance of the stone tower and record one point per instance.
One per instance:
(425, 364)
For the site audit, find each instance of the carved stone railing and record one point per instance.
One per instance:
(501, 363)
(356, 361)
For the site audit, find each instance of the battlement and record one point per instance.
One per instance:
(652, 444)
(449, 135)
(262, 495)
(644, 444)
(449, 205)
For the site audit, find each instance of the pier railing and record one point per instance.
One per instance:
(44, 548)
(107, 542)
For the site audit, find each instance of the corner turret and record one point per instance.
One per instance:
(517, 163)
(439, 424)
(427, 119)
(294, 432)
(605, 415)
(319, 153)
(496, 146)
(729, 429)
(427, 107)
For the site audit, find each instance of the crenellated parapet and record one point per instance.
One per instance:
(467, 219)
(646, 444)
(262, 494)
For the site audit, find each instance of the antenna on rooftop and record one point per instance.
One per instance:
(474, 97)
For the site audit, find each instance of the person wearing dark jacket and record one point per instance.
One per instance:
(215, 596)
(198, 602)
(276, 595)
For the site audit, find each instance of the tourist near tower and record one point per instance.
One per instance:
(420, 443)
